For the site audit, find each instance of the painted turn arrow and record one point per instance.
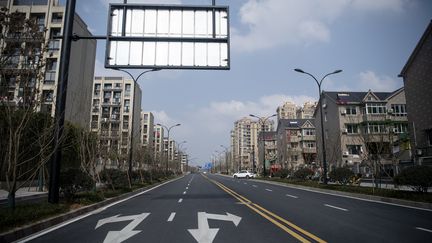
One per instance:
(126, 232)
(205, 234)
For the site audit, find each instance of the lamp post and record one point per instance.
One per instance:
(133, 116)
(263, 120)
(321, 117)
(168, 129)
(226, 158)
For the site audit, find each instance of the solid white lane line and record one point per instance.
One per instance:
(269, 190)
(171, 217)
(427, 230)
(180, 200)
(184, 192)
(254, 185)
(343, 209)
(288, 195)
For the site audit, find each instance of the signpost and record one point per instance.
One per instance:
(167, 37)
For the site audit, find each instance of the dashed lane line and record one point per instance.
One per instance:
(180, 200)
(331, 206)
(171, 217)
(423, 229)
(269, 190)
(292, 196)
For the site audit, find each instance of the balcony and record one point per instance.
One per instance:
(309, 138)
(309, 150)
(294, 139)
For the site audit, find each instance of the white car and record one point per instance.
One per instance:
(244, 174)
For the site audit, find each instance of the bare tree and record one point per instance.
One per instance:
(26, 136)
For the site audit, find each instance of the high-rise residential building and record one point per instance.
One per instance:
(296, 143)
(244, 142)
(286, 111)
(49, 14)
(307, 110)
(147, 130)
(114, 104)
(417, 77)
(158, 144)
(364, 131)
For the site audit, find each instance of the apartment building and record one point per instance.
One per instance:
(267, 151)
(296, 143)
(244, 142)
(49, 15)
(158, 142)
(307, 110)
(364, 130)
(147, 130)
(116, 110)
(417, 77)
(287, 111)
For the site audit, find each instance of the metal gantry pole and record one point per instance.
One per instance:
(53, 193)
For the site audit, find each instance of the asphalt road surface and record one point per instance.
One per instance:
(213, 208)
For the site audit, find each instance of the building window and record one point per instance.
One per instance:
(375, 128)
(400, 128)
(375, 108)
(308, 132)
(352, 128)
(309, 145)
(126, 106)
(351, 110)
(354, 149)
(399, 110)
(57, 18)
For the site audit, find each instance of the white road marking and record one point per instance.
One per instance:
(343, 209)
(245, 183)
(427, 230)
(254, 185)
(126, 232)
(184, 192)
(288, 195)
(171, 217)
(51, 229)
(187, 187)
(205, 234)
(269, 190)
(180, 200)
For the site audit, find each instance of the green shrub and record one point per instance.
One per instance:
(115, 178)
(417, 177)
(282, 173)
(342, 175)
(73, 180)
(303, 174)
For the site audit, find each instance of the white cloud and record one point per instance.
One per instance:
(162, 117)
(271, 23)
(370, 80)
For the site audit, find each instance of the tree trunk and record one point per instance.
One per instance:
(11, 200)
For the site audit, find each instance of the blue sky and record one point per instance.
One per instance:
(369, 39)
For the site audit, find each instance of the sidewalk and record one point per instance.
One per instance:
(25, 194)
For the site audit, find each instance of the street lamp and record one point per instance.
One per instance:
(226, 158)
(133, 116)
(169, 129)
(321, 117)
(263, 120)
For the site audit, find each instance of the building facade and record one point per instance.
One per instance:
(296, 143)
(147, 132)
(307, 110)
(49, 15)
(244, 143)
(158, 143)
(287, 111)
(417, 77)
(366, 131)
(113, 103)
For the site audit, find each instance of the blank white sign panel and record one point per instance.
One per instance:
(169, 38)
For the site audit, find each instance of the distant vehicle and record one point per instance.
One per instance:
(244, 174)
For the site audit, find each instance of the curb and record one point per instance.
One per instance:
(27, 230)
(389, 200)
(25, 199)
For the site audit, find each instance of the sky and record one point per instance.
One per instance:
(370, 40)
